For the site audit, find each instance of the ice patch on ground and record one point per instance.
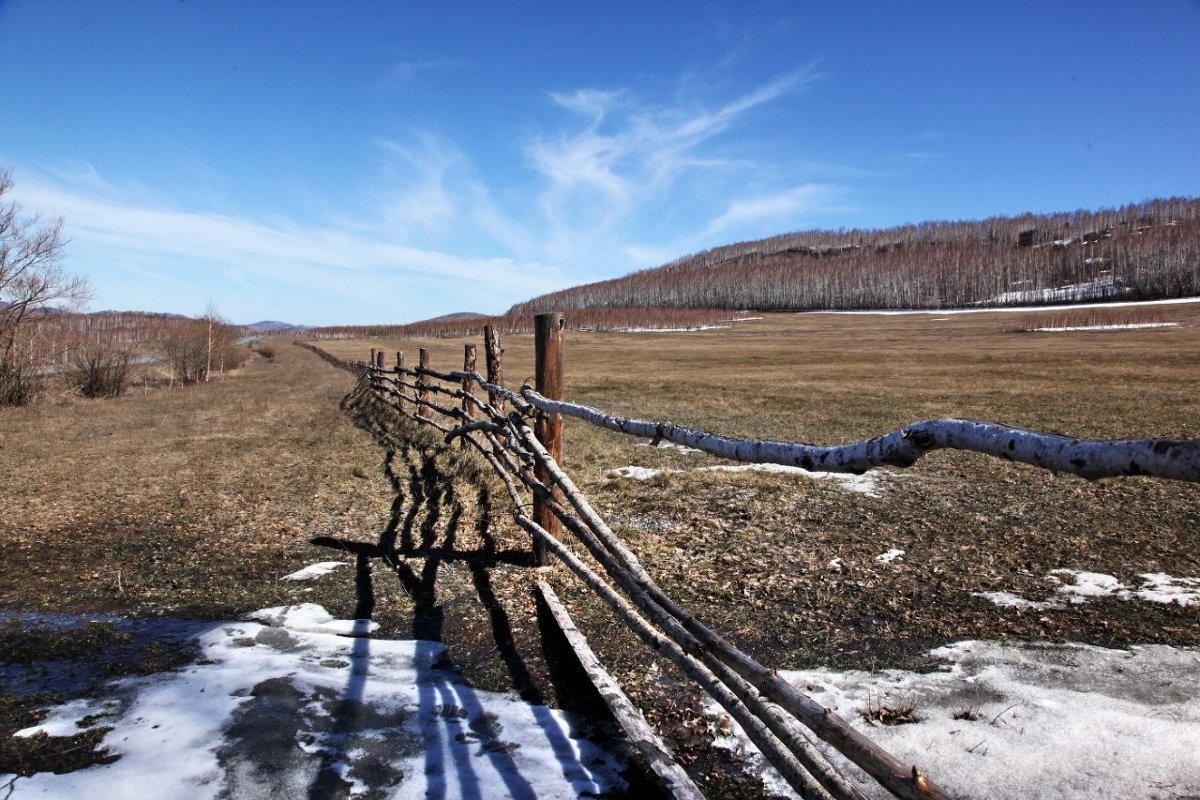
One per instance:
(313, 571)
(1059, 722)
(293, 710)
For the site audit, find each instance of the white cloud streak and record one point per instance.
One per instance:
(313, 258)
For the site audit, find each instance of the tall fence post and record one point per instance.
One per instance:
(495, 367)
(423, 390)
(548, 339)
(467, 383)
(399, 380)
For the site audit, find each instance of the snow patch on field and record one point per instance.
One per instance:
(1032, 720)
(313, 571)
(889, 556)
(1077, 586)
(291, 709)
(862, 484)
(679, 448)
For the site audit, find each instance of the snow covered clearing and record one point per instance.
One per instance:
(1126, 327)
(287, 707)
(691, 329)
(1077, 586)
(1096, 289)
(1031, 720)
(866, 483)
(941, 312)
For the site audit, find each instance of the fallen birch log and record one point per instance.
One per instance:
(1178, 459)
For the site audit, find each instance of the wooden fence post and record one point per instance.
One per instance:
(495, 368)
(468, 366)
(423, 392)
(399, 380)
(547, 340)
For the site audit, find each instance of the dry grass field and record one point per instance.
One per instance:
(741, 548)
(195, 502)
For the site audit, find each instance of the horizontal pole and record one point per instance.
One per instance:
(1177, 459)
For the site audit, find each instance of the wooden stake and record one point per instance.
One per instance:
(495, 368)
(423, 393)
(399, 377)
(468, 366)
(548, 339)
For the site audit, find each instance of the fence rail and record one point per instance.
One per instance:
(776, 716)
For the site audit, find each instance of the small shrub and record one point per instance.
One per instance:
(100, 371)
(19, 384)
(899, 714)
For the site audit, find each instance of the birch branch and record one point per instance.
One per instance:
(1178, 459)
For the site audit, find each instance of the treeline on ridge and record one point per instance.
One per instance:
(594, 319)
(1142, 251)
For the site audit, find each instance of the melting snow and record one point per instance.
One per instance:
(313, 571)
(669, 446)
(1126, 327)
(1034, 720)
(1157, 587)
(1015, 309)
(290, 709)
(1009, 600)
(889, 556)
(862, 484)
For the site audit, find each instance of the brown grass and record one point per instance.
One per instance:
(742, 549)
(196, 501)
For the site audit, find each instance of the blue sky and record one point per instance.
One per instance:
(361, 162)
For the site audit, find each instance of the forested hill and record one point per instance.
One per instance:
(1148, 250)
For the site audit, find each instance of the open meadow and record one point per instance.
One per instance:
(196, 502)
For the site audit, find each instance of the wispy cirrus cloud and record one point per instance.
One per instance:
(789, 205)
(338, 262)
(625, 159)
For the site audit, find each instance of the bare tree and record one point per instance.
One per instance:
(194, 348)
(32, 280)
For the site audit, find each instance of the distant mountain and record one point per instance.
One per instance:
(274, 325)
(460, 316)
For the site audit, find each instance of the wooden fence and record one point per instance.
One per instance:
(519, 434)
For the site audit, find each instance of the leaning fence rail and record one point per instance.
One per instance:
(776, 716)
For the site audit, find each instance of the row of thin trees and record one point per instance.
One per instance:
(1143, 251)
(43, 335)
(614, 319)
